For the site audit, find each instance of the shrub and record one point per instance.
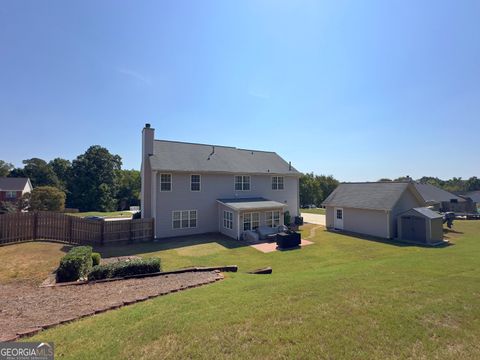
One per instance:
(96, 258)
(125, 268)
(100, 272)
(76, 264)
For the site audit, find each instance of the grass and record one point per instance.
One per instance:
(111, 214)
(313, 211)
(341, 297)
(29, 263)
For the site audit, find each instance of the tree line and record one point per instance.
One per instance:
(93, 181)
(455, 184)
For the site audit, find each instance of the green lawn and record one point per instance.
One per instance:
(111, 214)
(340, 298)
(313, 211)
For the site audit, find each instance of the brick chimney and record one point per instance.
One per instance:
(146, 171)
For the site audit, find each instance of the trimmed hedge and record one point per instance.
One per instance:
(76, 264)
(96, 258)
(125, 268)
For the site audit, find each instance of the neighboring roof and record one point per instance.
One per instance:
(251, 203)
(432, 193)
(367, 195)
(180, 156)
(425, 212)
(474, 195)
(13, 184)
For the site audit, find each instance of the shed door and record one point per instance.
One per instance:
(414, 228)
(338, 218)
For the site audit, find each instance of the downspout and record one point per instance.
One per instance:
(388, 224)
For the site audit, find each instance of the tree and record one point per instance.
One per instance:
(472, 184)
(384, 180)
(129, 189)
(39, 172)
(314, 189)
(5, 168)
(46, 198)
(95, 180)
(62, 169)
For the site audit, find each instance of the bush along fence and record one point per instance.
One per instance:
(20, 227)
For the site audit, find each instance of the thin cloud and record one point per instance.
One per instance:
(135, 75)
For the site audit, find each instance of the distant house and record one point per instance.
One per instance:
(376, 208)
(197, 188)
(443, 200)
(11, 189)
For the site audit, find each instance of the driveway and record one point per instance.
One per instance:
(317, 219)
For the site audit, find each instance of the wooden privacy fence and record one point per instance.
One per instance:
(19, 227)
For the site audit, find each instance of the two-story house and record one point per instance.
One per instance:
(196, 188)
(12, 189)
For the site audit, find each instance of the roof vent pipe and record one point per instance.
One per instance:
(289, 166)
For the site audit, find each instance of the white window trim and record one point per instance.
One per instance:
(283, 182)
(271, 223)
(160, 182)
(199, 183)
(235, 182)
(228, 221)
(251, 220)
(189, 227)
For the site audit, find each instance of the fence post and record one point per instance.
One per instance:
(102, 238)
(130, 237)
(35, 225)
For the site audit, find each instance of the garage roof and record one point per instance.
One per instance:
(240, 204)
(368, 195)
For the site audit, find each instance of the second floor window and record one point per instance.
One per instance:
(165, 182)
(195, 182)
(277, 182)
(242, 183)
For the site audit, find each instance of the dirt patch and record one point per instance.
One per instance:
(26, 309)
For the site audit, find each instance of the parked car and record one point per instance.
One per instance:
(93, 218)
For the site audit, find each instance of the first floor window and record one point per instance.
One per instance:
(242, 183)
(11, 194)
(165, 182)
(228, 220)
(339, 214)
(195, 183)
(251, 221)
(184, 219)
(277, 182)
(272, 218)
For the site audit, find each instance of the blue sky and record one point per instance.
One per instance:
(357, 89)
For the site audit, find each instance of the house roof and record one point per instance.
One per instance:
(189, 157)
(240, 204)
(425, 212)
(367, 195)
(432, 193)
(13, 184)
(474, 195)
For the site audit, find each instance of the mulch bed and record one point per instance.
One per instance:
(26, 309)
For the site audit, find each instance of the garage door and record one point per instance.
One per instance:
(414, 228)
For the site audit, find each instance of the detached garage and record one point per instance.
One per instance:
(374, 208)
(421, 225)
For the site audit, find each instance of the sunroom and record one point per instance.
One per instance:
(242, 214)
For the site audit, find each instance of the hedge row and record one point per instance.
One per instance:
(125, 268)
(76, 264)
